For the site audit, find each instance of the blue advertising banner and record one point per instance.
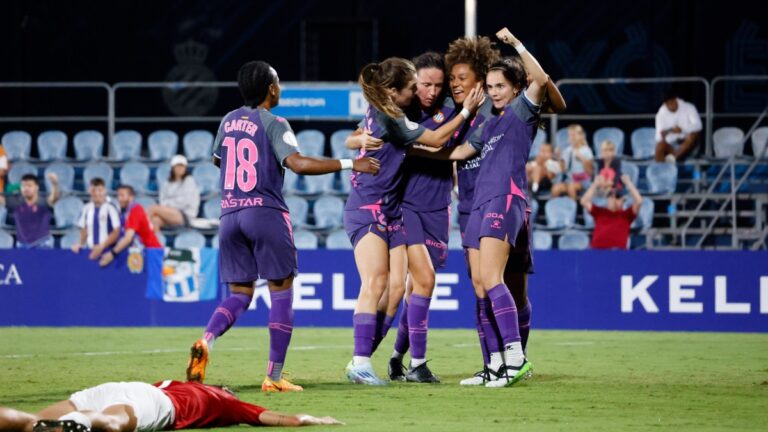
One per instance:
(607, 290)
(321, 101)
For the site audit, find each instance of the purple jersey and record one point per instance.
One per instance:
(383, 191)
(468, 169)
(504, 143)
(252, 145)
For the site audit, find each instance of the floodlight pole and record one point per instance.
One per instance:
(470, 18)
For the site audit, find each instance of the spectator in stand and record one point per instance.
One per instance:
(33, 214)
(134, 223)
(576, 162)
(609, 167)
(612, 222)
(4, 167)
(678, 126)
(179, 198)
(544, 170)
(99, 221)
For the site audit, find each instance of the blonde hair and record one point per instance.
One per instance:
(575, 127)
(608, 144)
(377, 78)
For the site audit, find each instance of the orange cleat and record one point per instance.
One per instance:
(198, 360)
(279, 386)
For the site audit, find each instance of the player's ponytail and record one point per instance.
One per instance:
(254, 79)
(377, 78)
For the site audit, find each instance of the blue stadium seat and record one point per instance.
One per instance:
(19, 170)
(645, 215)
(759, 141)
(135, 174)
(198, 145)
(290, 182)
(538, 140)
(562, 138)
(315, 184)
(161, 238)
(643, 142)
(66, 174)
(189, 239)
(17, 145)
(66, 211)
(52, 145)
(212, 208)
(98, 169)
(612, 134)
(534, 210)
(163, 144)
(69, 239)
(589, 221)
(339, 148)
(298, 208)
(573, 240)
(328, 212)
(345, 185)
(89, 145)
(127, 145)
(145, 201)
(542, 240)
(727, 142)
(3, 216)
(6, 240)
(311, 142)
(632, 170)
(305, 240)
(662, 178)
(454, 213)
(454, 240)
(215, 242)
(161, 174)
(207, 176)
(560, 212)
(338, 240)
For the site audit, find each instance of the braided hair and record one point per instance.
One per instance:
(254, 79)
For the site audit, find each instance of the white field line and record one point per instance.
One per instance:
(172, 350)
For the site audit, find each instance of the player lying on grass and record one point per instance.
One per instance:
(137, 406)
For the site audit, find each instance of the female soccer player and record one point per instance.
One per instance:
(372, 216)
(253, 147)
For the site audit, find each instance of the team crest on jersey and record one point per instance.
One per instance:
(135, 261)
(438, 118)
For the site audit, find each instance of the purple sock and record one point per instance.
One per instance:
(505, 313)
(280, 324)
(418, 317)
(524, 322)
(479, 316)
(383, 324)
(364, 325)
(490, 329)
(225, 315)
(402, 343)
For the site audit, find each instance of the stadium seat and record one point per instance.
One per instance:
(311, 142)
(69, 239)
(66, 174)
(643, 142)
(560, 212)
(328, 212)
(298, 208)
(589, 221)
(316, 184)
(212, 208)
(305, 240)
(66, 211)
(127, 145)
(573, 240)
(161, 174)
(542, 240)
(207, 177)
(161, 238)
(645, 215)
(338, 240)
(215, 242)
(612, 134)
(135, 174)
(534, 210)
(345, 185)
(632, 170)
(538, 140)
(89, 145)
(98, 169)
(454, 240)
(19, 170)
(727, 142)
(17, 145)
(163, 144)
(3, 216)
(454, 213)
(759, 140)
(198, 145)
(52, 145)
(145, 201)
(662, 178)
(6, 240)
(189, 239)
(339, 148)
(290, 181)
(562, 138)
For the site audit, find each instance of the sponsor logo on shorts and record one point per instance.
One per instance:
(435, 244)
(494, 215)
(496, 224)
(231, 202)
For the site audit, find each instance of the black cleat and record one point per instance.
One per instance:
(396, 369)
(421, 374)
(59, 426)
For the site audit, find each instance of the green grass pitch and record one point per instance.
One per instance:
(584, 380)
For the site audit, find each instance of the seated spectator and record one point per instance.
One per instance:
(609, 167)
(33, 214)
(4, 167)
(543, 170)
(134, 223)
(576, 163)
(179, 198)
(678, 126)
(99, 221)
(612, 223)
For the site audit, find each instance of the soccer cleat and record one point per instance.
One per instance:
(509, 375)
(363, 374)
(198, 360)
(282, 386)
(421, 374)
(480, 378)
(59, 426)
(396, 370)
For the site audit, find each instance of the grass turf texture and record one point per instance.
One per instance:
(583, 380)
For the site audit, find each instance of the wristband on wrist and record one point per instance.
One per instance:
(520, 48)
(465, 113)
(346, 163)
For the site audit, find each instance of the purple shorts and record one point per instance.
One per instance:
(506, 218)
(360, 222)
(431, 229)
(256, 243)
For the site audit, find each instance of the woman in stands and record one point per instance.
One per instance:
(372, 216)
(576, 162)
(253, 147)
(179, 198)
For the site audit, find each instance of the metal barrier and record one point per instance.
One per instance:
(61, 85)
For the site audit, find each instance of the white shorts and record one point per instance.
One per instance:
(153, 408)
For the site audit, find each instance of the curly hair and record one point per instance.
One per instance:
(478, 52)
